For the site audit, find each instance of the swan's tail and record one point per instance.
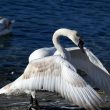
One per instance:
(6, 89)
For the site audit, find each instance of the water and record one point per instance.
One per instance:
(36, 20)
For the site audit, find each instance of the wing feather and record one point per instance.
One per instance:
(82, 87)
(90, 64)
(56, 74)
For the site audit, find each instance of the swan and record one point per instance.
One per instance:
(55, 74)
(87, 62)
(5, 25)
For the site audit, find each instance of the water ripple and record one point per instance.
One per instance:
(37, 20)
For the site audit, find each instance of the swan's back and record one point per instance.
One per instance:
(41, 53)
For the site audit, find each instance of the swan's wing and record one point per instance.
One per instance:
(56, 74)
(92, 66)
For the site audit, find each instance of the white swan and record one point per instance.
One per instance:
(54, 73)
(5, 26)
(87, 62)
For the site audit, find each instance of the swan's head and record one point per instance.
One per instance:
(75, 37)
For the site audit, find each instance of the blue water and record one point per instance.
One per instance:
(36, 20)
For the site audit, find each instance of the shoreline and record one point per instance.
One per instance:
(47, 101)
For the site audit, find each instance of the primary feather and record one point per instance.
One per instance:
(90, 64)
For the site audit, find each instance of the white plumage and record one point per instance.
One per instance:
(59, 76)
(90, 64)
(5, 26)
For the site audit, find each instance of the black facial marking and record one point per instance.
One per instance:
(81, 44)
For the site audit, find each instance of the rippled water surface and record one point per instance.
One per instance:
(36, 20)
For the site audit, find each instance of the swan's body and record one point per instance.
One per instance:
(42, 52)
(3, 28)
(55, 73)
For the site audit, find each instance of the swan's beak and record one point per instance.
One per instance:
(81, 44)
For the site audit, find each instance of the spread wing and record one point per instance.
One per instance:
(92, 66)
(56, 74)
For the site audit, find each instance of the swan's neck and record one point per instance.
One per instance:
(64, 53)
